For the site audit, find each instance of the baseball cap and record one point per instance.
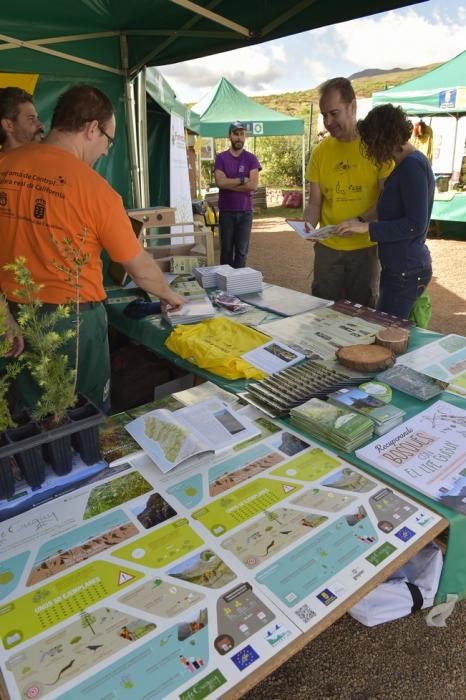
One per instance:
(236, 125)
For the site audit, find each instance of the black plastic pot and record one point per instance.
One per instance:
(7, 479)
(29, 445)
(59, 455)
(86, 418)
(26, 446)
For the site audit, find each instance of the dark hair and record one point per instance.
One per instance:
(385, 129)
(10, 100)
(341, 85)
(78, 106)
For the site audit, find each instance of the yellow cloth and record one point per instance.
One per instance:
(349, 184)
(216, 345)
(25, 81)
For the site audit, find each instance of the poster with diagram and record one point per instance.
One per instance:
(180, 585)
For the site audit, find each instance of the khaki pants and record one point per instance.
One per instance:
(346, 274)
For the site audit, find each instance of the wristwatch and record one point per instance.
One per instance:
(241, 179)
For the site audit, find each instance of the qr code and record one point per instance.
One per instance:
(305, 613)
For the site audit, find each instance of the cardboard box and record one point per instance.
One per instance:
(152, 217)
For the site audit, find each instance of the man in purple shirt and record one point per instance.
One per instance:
(237, 176)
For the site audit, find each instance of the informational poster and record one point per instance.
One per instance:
(180, 191)
(179, 585)
(207, 148)
(428, 452)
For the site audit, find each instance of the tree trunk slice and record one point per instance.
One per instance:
(396, 339)
(368, 358)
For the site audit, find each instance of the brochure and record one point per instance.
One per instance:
(172, 439)
(427, 452)
(444, 359)
(273, 357)
(317, 234)
(385, 415)
(321, 332)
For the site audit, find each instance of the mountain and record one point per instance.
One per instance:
(297, 104)
(369, 72)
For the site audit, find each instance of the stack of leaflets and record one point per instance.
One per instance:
(337, 426)
(385, 415)
(184, 264)
(276, 395)
(187, 288)
(192, 312)
(207, 276)
(413, 383)
(243, 280)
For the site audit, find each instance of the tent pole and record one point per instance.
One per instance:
(302, 171)
(142, 139)
(131, 124)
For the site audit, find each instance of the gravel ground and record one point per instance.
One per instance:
(400, 660)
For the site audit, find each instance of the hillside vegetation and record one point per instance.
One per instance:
(296, 104)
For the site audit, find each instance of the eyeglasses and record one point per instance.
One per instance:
(110, 139)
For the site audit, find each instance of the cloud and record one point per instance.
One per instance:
(253, 69)
(318, 71)
(400, 39)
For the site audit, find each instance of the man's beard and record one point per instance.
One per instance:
(237, 145)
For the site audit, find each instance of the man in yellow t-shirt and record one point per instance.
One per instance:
(343, 185)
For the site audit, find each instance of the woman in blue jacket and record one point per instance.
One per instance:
(403, 210)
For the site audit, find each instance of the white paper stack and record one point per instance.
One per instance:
(243, 280)
(207, 276)
(191, 312)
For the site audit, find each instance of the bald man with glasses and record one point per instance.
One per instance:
(54, 202)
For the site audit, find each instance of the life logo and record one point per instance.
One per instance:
(258, 129)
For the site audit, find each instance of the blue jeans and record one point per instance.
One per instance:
(235, 230)
(399, 290)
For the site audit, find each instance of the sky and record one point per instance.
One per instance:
(429, 32)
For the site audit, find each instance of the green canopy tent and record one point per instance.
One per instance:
(441, 91)
(108, 42)
(158, 101)
(225, 103)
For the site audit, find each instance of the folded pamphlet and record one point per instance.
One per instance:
(183, 437)
(316, 234)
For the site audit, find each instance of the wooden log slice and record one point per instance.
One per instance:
(395, 339)
(367, 358)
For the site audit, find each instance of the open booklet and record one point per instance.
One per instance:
(317, 234)
(174, 438)
(273, 357)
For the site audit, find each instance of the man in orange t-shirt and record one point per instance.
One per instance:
(49, 193)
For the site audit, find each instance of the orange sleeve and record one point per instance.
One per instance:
(115, 231)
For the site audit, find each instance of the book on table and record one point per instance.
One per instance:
(185, 436)
(427, 452)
